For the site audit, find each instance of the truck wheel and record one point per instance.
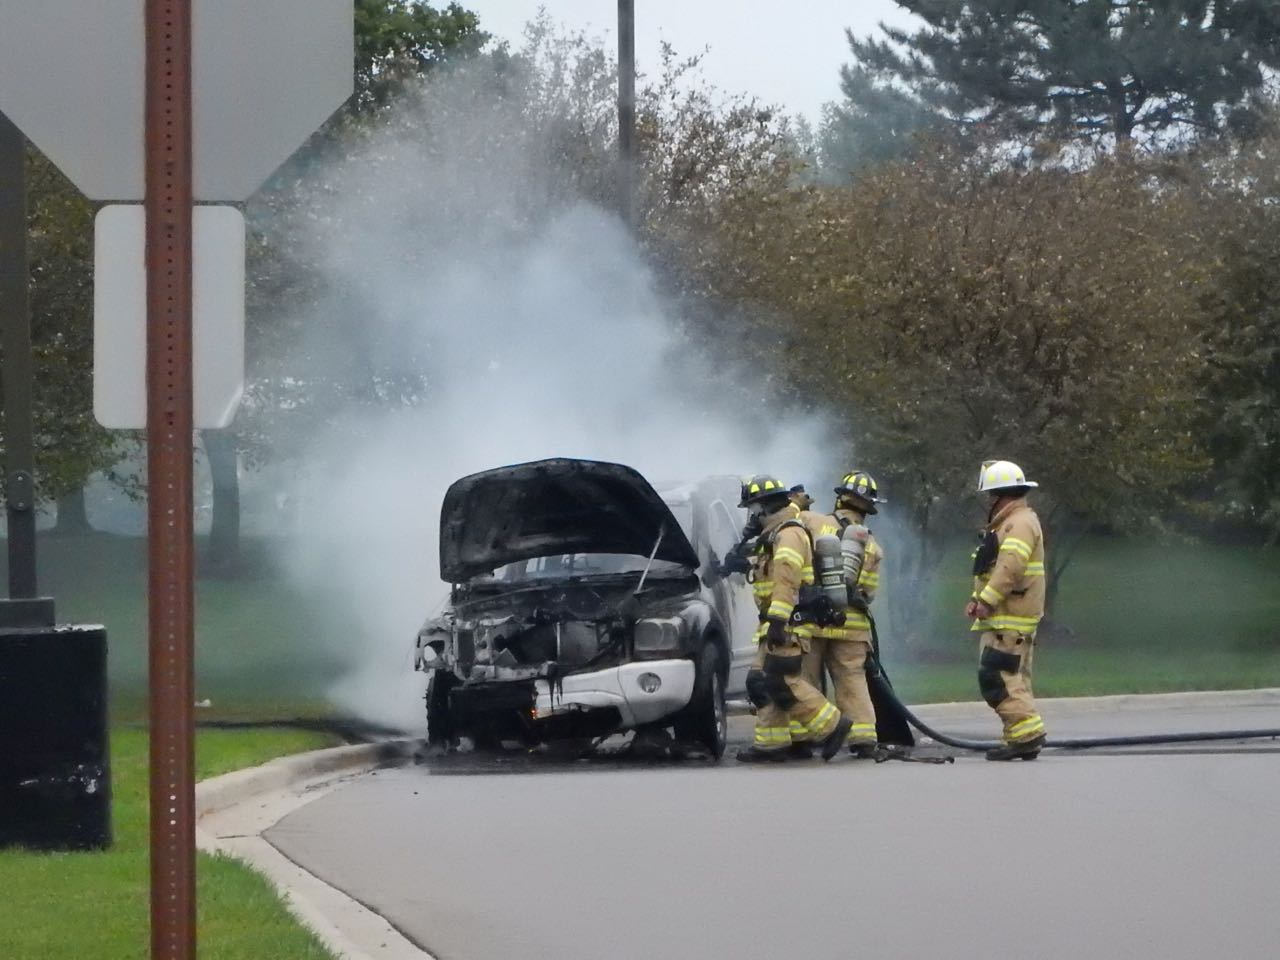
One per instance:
(439, 723)
(704, 720)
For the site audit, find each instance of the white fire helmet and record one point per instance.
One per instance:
(1002, 475)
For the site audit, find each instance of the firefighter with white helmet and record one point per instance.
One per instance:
(1007, 605)
(787, 705)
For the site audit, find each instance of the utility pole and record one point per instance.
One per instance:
(627, 111)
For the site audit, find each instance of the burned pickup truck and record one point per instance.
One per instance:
(578, 607)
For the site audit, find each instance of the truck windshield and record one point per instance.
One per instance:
(581, 565)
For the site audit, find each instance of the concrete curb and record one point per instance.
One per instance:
(233, 811)
(229, 789)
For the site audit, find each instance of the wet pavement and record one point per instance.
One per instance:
(1158, 852)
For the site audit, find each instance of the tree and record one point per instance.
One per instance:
(398, 41)
(70, 445)
(1241, 378)
(1085, 69)
(874, 123)
(949, 311)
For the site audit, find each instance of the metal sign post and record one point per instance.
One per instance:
(170, 514)
(15, 339)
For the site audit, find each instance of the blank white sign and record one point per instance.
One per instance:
(264, 73)
(120, 316)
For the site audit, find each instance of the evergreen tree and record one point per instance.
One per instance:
(874, 123)
(1080, 69)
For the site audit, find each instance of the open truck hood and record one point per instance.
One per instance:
(553, 507)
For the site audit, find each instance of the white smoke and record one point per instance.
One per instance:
(541, 336)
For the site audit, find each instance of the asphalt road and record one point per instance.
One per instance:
(1164, 852)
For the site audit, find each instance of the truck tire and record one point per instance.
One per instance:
(439, 723)
(704, 720)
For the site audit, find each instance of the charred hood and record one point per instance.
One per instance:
(553, 507)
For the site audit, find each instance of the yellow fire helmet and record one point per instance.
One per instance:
(861, 485)
(760, 486)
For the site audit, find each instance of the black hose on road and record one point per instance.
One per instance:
(883, 692)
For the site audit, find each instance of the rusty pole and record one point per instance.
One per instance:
(170, 590)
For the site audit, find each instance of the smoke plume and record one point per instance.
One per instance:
(458, 260)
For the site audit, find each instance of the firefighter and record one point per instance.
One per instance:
(809, 610)
(787, 705)
(1006, 607)
(841, 648)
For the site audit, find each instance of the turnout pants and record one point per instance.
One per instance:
(796, 710)
(844, 658)
(1004, 679)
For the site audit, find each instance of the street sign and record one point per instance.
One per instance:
(120, 316)
(265, 74)
(58, 60)
(228, 88)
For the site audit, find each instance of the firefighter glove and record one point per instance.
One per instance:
(976, 609)
(735, 562)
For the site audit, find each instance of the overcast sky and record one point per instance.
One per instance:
(786, 54)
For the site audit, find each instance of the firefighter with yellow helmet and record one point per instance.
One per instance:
(842, 648)
(1007, 605)
(788, 706)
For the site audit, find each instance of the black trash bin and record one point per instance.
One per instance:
(55, 788)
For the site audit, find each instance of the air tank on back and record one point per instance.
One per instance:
(853, 548)
(828, 560)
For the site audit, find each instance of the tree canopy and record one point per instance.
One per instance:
(70, 445)
(1077, 69)
(952, 309)
(397, 40)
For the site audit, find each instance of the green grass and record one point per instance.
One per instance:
(1133, 616)
(89, 905)
(263, 648)
(1072, 672)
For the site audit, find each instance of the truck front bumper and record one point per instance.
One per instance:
(641, 692)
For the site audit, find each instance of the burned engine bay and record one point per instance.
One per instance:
(548, 630)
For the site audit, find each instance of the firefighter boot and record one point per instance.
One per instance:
(864, 751)
(1018, 750)
(800, 750)
(833, 741)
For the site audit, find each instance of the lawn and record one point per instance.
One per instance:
(263, 649)
(1132, 617)
(72, 906)
(256, 658)
(1135, 616)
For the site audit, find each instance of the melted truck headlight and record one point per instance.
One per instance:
(657, 635)
(649, 682)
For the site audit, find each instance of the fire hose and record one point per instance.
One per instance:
(883, 692)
